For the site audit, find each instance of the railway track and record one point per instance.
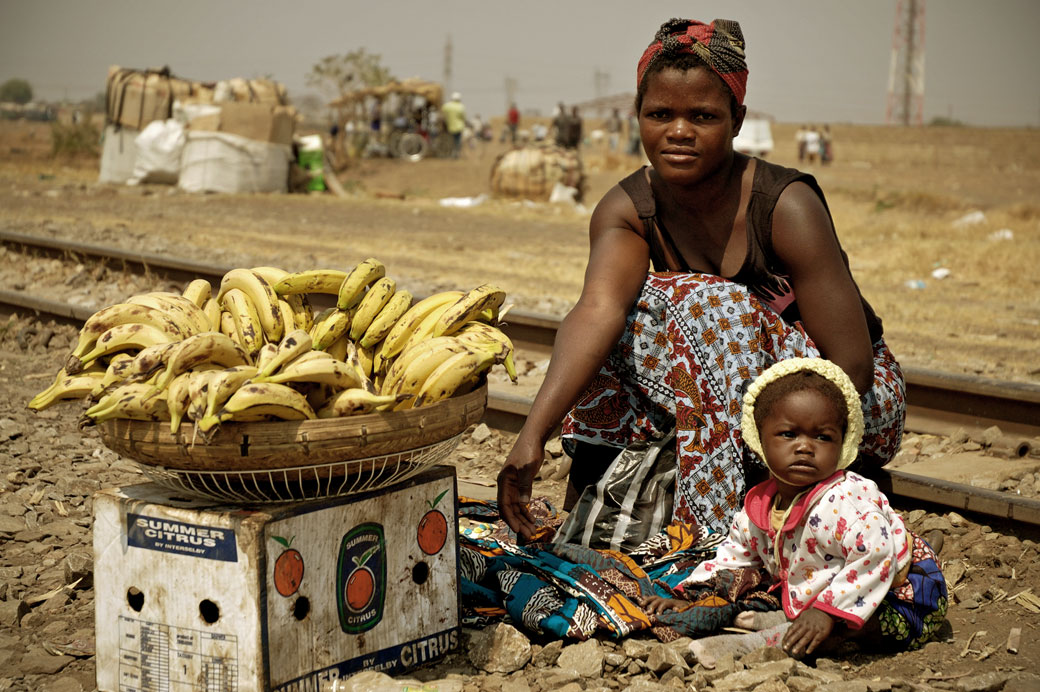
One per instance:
(938, 403)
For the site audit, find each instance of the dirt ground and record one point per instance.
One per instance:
(901, 201)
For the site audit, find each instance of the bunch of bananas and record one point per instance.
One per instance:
(256, 351)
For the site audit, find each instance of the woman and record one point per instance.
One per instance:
(749, 271)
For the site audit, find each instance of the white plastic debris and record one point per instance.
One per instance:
(940, 273)
(915, 284)
(971, 219)
(463, 202)
(1002, 234)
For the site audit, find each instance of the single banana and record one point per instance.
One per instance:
(114, 374)
(263, 297)
(333, 326)
(468, 307)
(300, 307)
(380, 327)
(288, 316)
(177, 400)
(208, 347)
(352, 402)
(187, 313)
(198, 291)
(451, 375)
(403, 328)
(373, 300)
(66, 387)
(325, 281)
(267, 352)
(123, 337)
(419, 361)
(271, 275)
(227, 326)
(303, 313)
(365, 356)
(198, 391)
(136, 401)
(223, 383)
(424, 331)
(295, 344)
(212, 310)
(352, 290)
(123, 313)
(261, 401)
(330, 371)
(341, 348)
(247, 321)
(481, 335)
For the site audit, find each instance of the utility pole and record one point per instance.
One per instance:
(906, 68)
(600, 83)
(510, 91)
(447, 65)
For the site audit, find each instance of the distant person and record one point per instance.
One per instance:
(826, 152)
(559, 124)
(799, 140)
(573, 129)
(812, 144)
(635, 144)
(454, 114)
(614, 130)
(512, 122)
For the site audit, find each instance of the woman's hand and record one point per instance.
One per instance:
(655, 605)
(515, 481)
(807, 632)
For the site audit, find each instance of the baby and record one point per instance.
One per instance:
(844, 562)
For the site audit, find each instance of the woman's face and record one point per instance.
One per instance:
(686, 124)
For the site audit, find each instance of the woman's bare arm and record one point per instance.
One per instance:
(618, 265)
(827, 298)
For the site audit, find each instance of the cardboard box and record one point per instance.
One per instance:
(137, 98)
(258, 121)
(198, 595)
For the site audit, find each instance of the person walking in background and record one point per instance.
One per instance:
(634, 143)
(799, 140)
(513, 122)
(614, 130)
(826, 153)
(559, 124)
(454, 114)
(812, 144)
(573, 129)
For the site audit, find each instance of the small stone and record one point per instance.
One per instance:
(548, 654)
(481, 433)
(41, 663)
(586, 658)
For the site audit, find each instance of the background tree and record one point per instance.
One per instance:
(16, 90)
(337, 75)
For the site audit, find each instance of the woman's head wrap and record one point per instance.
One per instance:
(854, 429)
(719, 44)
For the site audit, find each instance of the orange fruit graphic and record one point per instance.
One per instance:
(288, 572)
(360, 588)
(433, 528)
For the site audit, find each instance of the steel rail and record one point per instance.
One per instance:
(937, 403)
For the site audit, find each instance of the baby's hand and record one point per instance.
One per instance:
(807, 632)
(654, 605)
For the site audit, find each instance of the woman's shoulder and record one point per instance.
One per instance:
(624, 204)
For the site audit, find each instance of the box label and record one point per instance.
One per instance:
(193, 540)
(361, 578)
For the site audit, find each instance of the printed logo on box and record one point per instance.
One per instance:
(193, 540)
(361, 578)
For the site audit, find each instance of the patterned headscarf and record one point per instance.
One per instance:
(854, 430)
(719, 44)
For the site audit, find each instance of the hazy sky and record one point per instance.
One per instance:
(810, 60)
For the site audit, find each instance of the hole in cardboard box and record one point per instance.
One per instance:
(420, 573)
(301, 607)
(135, 598)
(209, 611)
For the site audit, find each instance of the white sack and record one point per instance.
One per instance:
(118, 153)
(221, 162)
(159, 148)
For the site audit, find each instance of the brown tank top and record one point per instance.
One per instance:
(762, 271)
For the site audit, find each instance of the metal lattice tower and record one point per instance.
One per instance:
(906, 69)
(447, 64)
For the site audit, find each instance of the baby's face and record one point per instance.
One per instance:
(802, 438)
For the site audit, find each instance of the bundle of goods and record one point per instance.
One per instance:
(531, 172)
(198, 363)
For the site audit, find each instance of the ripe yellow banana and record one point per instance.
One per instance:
(177, 399)
(341, 348)
(260, 293)
(395, 340)
(418, 362)
(352, 402)
(136, 401)
(198, 291)
(364, 356)
(288, 316)
(311, 355)
(188, 315)
(424, 330)
(261, 401)
(125, 313)
(67, 387)
(208, 347)
(364, 274)
(118, 365)
(212, 310)
(331, 327)
(271, 275)
(461, 369)
(221, 384)
(373, 301)
(380, 327)
(122, 337)
(227, 326)
(292, 346)
(330, 371)
(325, 281)
(481, 335)
(468, 307)
(247, 321)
